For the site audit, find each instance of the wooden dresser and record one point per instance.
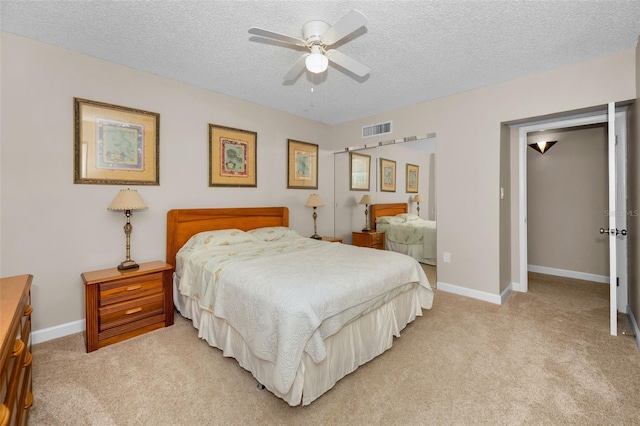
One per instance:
(371, 239)
(123, 304)
(15, 330)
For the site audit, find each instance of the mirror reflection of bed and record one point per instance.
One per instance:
(349, 214)
(407, 233)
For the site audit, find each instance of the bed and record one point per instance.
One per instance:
(405, 233)
(357, 307)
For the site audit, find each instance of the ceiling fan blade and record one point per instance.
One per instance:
(296, 69)
(345, 26)
(277, 36)
(347, 63)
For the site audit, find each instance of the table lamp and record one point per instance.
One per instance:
(127, 200)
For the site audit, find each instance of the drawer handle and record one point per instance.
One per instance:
(28, 310)
(133, 287)
(28, 401)
(133, 311)
(18, 347)
(28, 360)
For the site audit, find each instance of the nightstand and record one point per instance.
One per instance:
(332, 239)
(123, 304)
(370, 239)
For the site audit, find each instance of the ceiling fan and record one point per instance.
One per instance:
(317, 36)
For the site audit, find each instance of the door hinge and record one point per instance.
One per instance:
(617, 281)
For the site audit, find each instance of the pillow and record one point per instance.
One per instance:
(272, 233)
(389, 220)
(408, 217)
(220, 237)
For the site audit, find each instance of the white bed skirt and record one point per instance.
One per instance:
(414, 250)
(355, 344)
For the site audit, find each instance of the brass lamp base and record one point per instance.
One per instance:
(316, 237)
(367, 229)
(128, 264)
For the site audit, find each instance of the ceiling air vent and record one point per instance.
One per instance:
(376, 129)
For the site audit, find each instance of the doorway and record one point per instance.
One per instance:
(619, 292)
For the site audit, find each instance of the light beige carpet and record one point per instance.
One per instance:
(543, 358)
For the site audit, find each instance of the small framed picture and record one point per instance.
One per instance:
(232, 157)
(302, 165)
(412, 178)
(387, 175)
(359, 166)
(115, 145)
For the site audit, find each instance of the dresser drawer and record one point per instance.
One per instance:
(118, 314)
(130, 288)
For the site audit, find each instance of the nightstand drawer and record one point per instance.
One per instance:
(127, 312)
(131, 288)
(377, 238)
(368, 239)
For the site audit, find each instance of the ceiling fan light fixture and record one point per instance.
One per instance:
(316, 62)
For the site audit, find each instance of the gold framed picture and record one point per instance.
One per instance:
(412, 178)
(115, 145)
(387, 175)
(232, 157)
(302, 165)
(359, 166)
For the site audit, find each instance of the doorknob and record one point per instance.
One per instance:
(622, 232)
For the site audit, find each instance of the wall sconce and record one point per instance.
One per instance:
(314, 201)
(127, 200)
(417, 199)
(366, 200)
(542, 147)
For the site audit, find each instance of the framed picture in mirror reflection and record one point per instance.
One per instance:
(412, 178)
(359, 171)
(387, 175)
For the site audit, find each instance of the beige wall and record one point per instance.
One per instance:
(566, 201)
(633, 182)
(56, 230)
(468, 126)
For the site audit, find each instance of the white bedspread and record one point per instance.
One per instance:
(286, 297)
(419, 232)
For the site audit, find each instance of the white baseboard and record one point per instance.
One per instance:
(519, 287)
(634, 325)
(505, 294)
(62, 330)
(569, 274)
(475, 294)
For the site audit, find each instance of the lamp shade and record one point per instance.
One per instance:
(316, 62)
(314, 201)
(127, 199)
(542, 147)
(417, 198)
(366, 199)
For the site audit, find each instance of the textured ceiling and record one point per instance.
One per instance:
(417, 50)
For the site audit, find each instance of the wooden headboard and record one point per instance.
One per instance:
(389, 209)
(183, 223)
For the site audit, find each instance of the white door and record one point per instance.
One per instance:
(617, 212)
(613, 199)
(621, 209)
